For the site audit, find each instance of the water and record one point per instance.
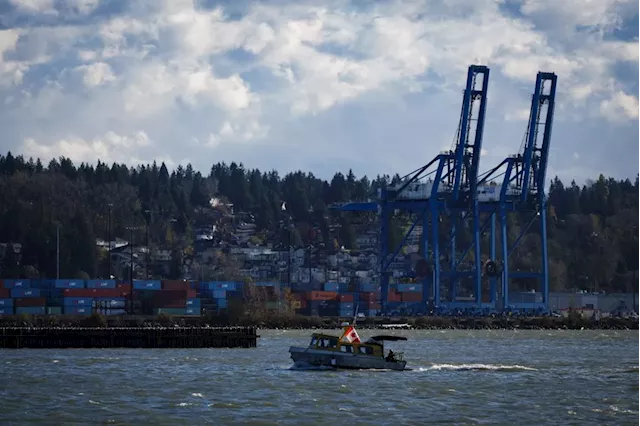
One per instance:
(458, 377)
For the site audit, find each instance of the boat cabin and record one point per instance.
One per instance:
(372, 347)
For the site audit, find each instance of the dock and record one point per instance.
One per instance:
(127, 337)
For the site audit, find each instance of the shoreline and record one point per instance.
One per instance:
(295, 322)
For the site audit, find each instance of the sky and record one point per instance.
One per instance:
(314, 85)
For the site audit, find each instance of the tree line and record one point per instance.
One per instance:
(593, 229)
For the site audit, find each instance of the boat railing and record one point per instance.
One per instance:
(399, 356)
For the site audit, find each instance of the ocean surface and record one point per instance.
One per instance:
(458, 377)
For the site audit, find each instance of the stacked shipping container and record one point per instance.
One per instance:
(180, 297)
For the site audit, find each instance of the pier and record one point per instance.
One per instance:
(127, 337)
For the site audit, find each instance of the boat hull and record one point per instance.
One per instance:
(321, 358)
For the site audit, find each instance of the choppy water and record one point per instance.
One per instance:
(458, 377)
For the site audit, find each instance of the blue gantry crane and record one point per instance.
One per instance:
(451, 191)
(522, 190)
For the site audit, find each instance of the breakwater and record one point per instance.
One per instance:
(127, 337)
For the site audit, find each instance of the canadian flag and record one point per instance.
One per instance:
(351, 335)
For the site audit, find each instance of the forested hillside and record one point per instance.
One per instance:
(593, 230)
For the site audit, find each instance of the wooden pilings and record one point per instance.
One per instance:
(127, 337)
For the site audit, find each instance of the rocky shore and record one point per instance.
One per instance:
(284, 321)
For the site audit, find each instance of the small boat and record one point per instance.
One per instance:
(348, 352)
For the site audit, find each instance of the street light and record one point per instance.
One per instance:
(110, 205)
(131, 229)
(147, 218)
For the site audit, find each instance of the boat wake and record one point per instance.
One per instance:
(476, 367)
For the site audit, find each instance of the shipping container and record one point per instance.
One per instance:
(113, 311)
(412, 297)
(193, 310)
(266, 284)
(31, 310)
(6, 303)
(69, 284)
(345, 298)
(224, 285)
(77, 301)
(414, 288)
(30, 301)
(101, 284)
(394, 297)
(94, 292)
(54, 310)
(110, 303)
(6, 310)
(322, 295)
(222, 303)
(369, 297)
(147, 284)
(10, 284)
(125, 287)
(18, 292)
(42, 284)
(5, 293)
(193, 303)
(219, 294)
(171, 311)
(175, 285)
(331, 286)
(369, 287)
(78, 310)
(346, 305)
(346, 313)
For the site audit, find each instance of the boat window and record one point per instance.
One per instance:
(314, 341)
(367, 350)
(346, 348)
(332, 343)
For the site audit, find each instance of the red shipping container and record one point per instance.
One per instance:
(370, 297)
(5, 293)
(30, 301)
(346, 297)
(124, 287)
(394, 297)
(412, 296)
(173, 303)
(322, 295)
(173, 294)
(1, 284)
(175, 285)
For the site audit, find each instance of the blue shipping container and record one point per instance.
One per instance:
(222, 303)
(193, 311)
(195, 303)
(42, 284)
(78, 310)
(224, 285)
(6, 303)
(331, 286)
(101, 284)
(54, 310)
(219, 294)
(369, 287)
(6, 310)
(403, 288)
(69, 284)
(346, 305)
(77, 301)
(147, 284)
(20, 292)
(31, 310)
(17, 283)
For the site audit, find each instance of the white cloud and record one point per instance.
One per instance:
(311, 78)
(35, 6)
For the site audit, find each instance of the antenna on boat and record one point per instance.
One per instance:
(355, 314)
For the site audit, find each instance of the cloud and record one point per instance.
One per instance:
(375, 86)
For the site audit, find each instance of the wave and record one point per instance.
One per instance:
(476, 367)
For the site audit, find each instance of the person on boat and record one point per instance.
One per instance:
(390, 356)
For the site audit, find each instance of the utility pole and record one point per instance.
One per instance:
(146, 243)
(58, 250)
(131, 229)
(109, 237)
